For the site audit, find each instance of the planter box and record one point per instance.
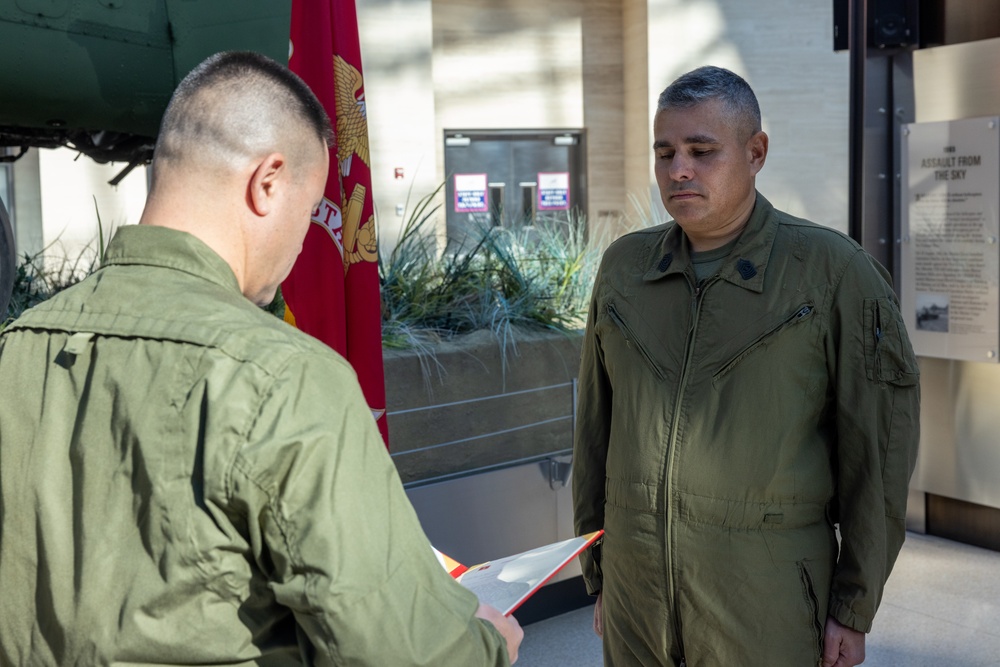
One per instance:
(466, 410)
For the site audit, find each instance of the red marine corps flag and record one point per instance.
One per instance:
(332, 292)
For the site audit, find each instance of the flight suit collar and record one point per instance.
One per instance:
(747, 263)
(150, 245)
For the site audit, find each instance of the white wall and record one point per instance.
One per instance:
(510, 65)
(432, 65)
(26, 205)
(396, 53)
(69, 185)
(449, 64)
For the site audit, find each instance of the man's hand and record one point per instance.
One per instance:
(506, 625)
(598, 619)
(842, 646)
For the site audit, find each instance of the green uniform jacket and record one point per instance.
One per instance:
(187, 480)
(724, 429)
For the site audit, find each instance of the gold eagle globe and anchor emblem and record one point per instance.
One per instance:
(359, 240)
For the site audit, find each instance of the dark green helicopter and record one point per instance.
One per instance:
(96, 75)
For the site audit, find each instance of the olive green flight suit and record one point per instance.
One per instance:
(187, 480)
(725, 428)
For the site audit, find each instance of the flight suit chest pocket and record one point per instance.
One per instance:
(631, 329)
(768, 334)
(888, 354)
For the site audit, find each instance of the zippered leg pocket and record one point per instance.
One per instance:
(812, 604)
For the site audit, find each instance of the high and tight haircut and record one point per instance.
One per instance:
(240, 104)
(715, 83)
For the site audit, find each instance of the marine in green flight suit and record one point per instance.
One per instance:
(746, 385)
(184, 478)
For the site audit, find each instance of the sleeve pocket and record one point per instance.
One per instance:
(888, 354)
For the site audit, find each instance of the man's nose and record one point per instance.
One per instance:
(681, 168)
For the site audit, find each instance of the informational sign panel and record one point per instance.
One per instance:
(470, 193)
(553, 191)
(951, 221)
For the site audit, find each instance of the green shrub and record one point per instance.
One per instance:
(499, 279)
(39, 277)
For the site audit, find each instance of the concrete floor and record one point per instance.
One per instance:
(941, 608)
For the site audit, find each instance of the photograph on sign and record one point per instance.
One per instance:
(470, 193)
(932, 312)
(949, 261)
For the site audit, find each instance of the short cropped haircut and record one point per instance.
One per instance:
(715, 83)
(237, 105)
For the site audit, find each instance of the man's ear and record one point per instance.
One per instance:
(265, 182)
(757, 151)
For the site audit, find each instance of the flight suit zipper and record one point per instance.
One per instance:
(878, 342)
(697, 290)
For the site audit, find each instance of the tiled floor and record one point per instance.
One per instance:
(941, 609)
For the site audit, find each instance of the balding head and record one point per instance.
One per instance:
(237, 106)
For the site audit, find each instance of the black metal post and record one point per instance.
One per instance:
(858, 41)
